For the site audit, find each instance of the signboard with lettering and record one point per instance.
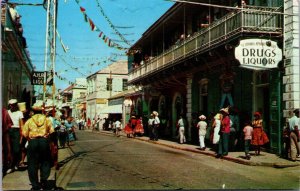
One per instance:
(258, 54)
(38, 78)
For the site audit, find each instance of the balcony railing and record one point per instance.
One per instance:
(263, 20)
(16, 41)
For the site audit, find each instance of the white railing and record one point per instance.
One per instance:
(263, 20)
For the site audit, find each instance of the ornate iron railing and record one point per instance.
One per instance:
(263, 20)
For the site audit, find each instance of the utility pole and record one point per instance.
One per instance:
(50, 48)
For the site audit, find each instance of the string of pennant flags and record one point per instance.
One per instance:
(77, 68)
(112, 25)
(101, 35)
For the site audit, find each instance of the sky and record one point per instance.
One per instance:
(87, 53)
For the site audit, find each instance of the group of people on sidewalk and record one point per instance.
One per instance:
(134, 126)
(33, 134)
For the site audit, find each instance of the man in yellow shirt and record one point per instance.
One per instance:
(37, 131)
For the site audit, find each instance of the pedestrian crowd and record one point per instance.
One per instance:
(37, 133)
(223, 132)
(34, 134)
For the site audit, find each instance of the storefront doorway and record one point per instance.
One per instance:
(262, 98)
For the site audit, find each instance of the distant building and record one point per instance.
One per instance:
(78, 98)
(104, 84)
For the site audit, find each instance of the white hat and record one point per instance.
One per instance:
(38, 105)
(225, 110)
(12, 101)
(155, 113)
(202, 117)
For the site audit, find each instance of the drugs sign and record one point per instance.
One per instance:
(38, 78)
(258, 54)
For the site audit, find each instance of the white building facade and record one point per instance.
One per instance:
(103, 85)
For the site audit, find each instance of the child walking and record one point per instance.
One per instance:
(248, 131)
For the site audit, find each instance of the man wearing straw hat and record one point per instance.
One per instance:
(156, 123)
(38, 130)
(224, 133)
(14, 132)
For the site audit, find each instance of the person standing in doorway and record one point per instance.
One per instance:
(180, 125)
(38, 131)
(259, 137)
(224, 133)
(156, 123)
(15, 132)
(202, 125)
(294, 123)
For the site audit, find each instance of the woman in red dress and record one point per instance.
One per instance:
(139, 129)
(128, 129)
(259, 137)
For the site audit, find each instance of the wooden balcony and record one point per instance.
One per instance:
(13, 41)
(250, 20)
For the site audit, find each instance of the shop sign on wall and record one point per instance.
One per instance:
(258, 54)
(37, 78)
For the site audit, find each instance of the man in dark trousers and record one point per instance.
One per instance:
(37, 130)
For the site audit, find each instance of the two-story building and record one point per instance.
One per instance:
(201, 56)
(79, 98)
(104, 84)
(16, 66)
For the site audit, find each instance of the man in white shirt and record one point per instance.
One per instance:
(294, 135)
(15, 132)
(156, 123)
(118, 127)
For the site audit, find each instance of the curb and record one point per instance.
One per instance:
(228, 158)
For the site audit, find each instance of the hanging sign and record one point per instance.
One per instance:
(37, 78)
(258, 54)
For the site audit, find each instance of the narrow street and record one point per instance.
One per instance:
(108, 162)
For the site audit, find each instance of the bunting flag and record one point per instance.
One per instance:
(92, 25)
(95, 28)
(112, 25)
(82, 9)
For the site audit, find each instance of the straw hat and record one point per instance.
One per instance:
(202, 117)
(12, 101)
(155, 113)
(225, 110)
(38, 106)
(22, 106)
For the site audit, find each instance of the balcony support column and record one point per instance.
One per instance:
(189, 80)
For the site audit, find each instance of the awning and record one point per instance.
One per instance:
(112, 109)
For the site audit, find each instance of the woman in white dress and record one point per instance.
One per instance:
(216, 126)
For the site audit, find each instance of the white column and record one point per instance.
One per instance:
(291, 80)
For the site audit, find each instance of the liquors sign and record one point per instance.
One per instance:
(258, 54)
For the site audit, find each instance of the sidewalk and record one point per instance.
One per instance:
(19, 180)
(264, 159)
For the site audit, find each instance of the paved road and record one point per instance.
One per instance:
(108, 162)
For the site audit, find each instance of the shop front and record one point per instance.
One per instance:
(247, 79)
